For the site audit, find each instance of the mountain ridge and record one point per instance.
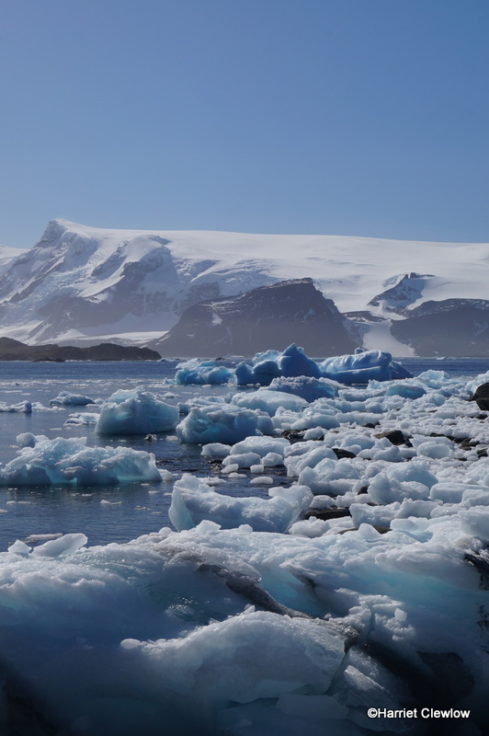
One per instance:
(84, 284)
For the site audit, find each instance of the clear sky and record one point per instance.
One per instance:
(356, 117)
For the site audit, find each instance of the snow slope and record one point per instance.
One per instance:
(85, 283)
(7, 255)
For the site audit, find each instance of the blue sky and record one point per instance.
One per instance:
(356, 117)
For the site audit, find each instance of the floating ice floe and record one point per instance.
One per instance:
(361, 367)
(306, 387)
(267, 366)
(205, 372)
(65, 398)
(23, 407)
(269, 401)
(136, 412)
(63, 461)
(193, 500)
(82, 419)
(222, 423)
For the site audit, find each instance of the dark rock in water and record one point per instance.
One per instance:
(456, 327)
(481, 396)
(465, 443)
(396, 437)
(15, 350)
(340, 453)
(293, 435)
(268, 317)
(326, 514)
(480, 560)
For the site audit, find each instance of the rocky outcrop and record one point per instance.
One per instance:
(268, 317)
(15, 350)
(452, 327)
(481, 397)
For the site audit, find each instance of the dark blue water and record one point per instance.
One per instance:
(115, 513)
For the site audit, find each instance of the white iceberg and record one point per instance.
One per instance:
(63, 461)
(136, 412)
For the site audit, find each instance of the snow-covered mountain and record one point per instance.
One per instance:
(403, 291)
(267, 317)
(7, 255)
(84, 284)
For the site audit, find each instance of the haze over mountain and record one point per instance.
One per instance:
(84, 285)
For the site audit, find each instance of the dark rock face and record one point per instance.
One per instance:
(15, 350)
(481, 396)
(268, 317)
(455, 327)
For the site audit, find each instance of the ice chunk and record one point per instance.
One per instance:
(261, 445)
(267, 366)
(411, 480)
(26, 439)
(65, 545)
(476, 522)
(262, 480)
(19, 548)
(23, 407)
(448, 492)
(243, 460)
(294, 362)
(247, 657)
(262, 373)
(222, 423)
(362, 367)
(136, 412)
(193, 500)
(63, 461)
(215, 450)
(436, 448)
(406, 389)
(202, 372)
(82, 419)
(65, 398)
(307, 388)
(269, 401)
(273, 460)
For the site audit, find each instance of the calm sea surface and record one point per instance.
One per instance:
(118, 513)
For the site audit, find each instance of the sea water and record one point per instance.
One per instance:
(116, 513)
